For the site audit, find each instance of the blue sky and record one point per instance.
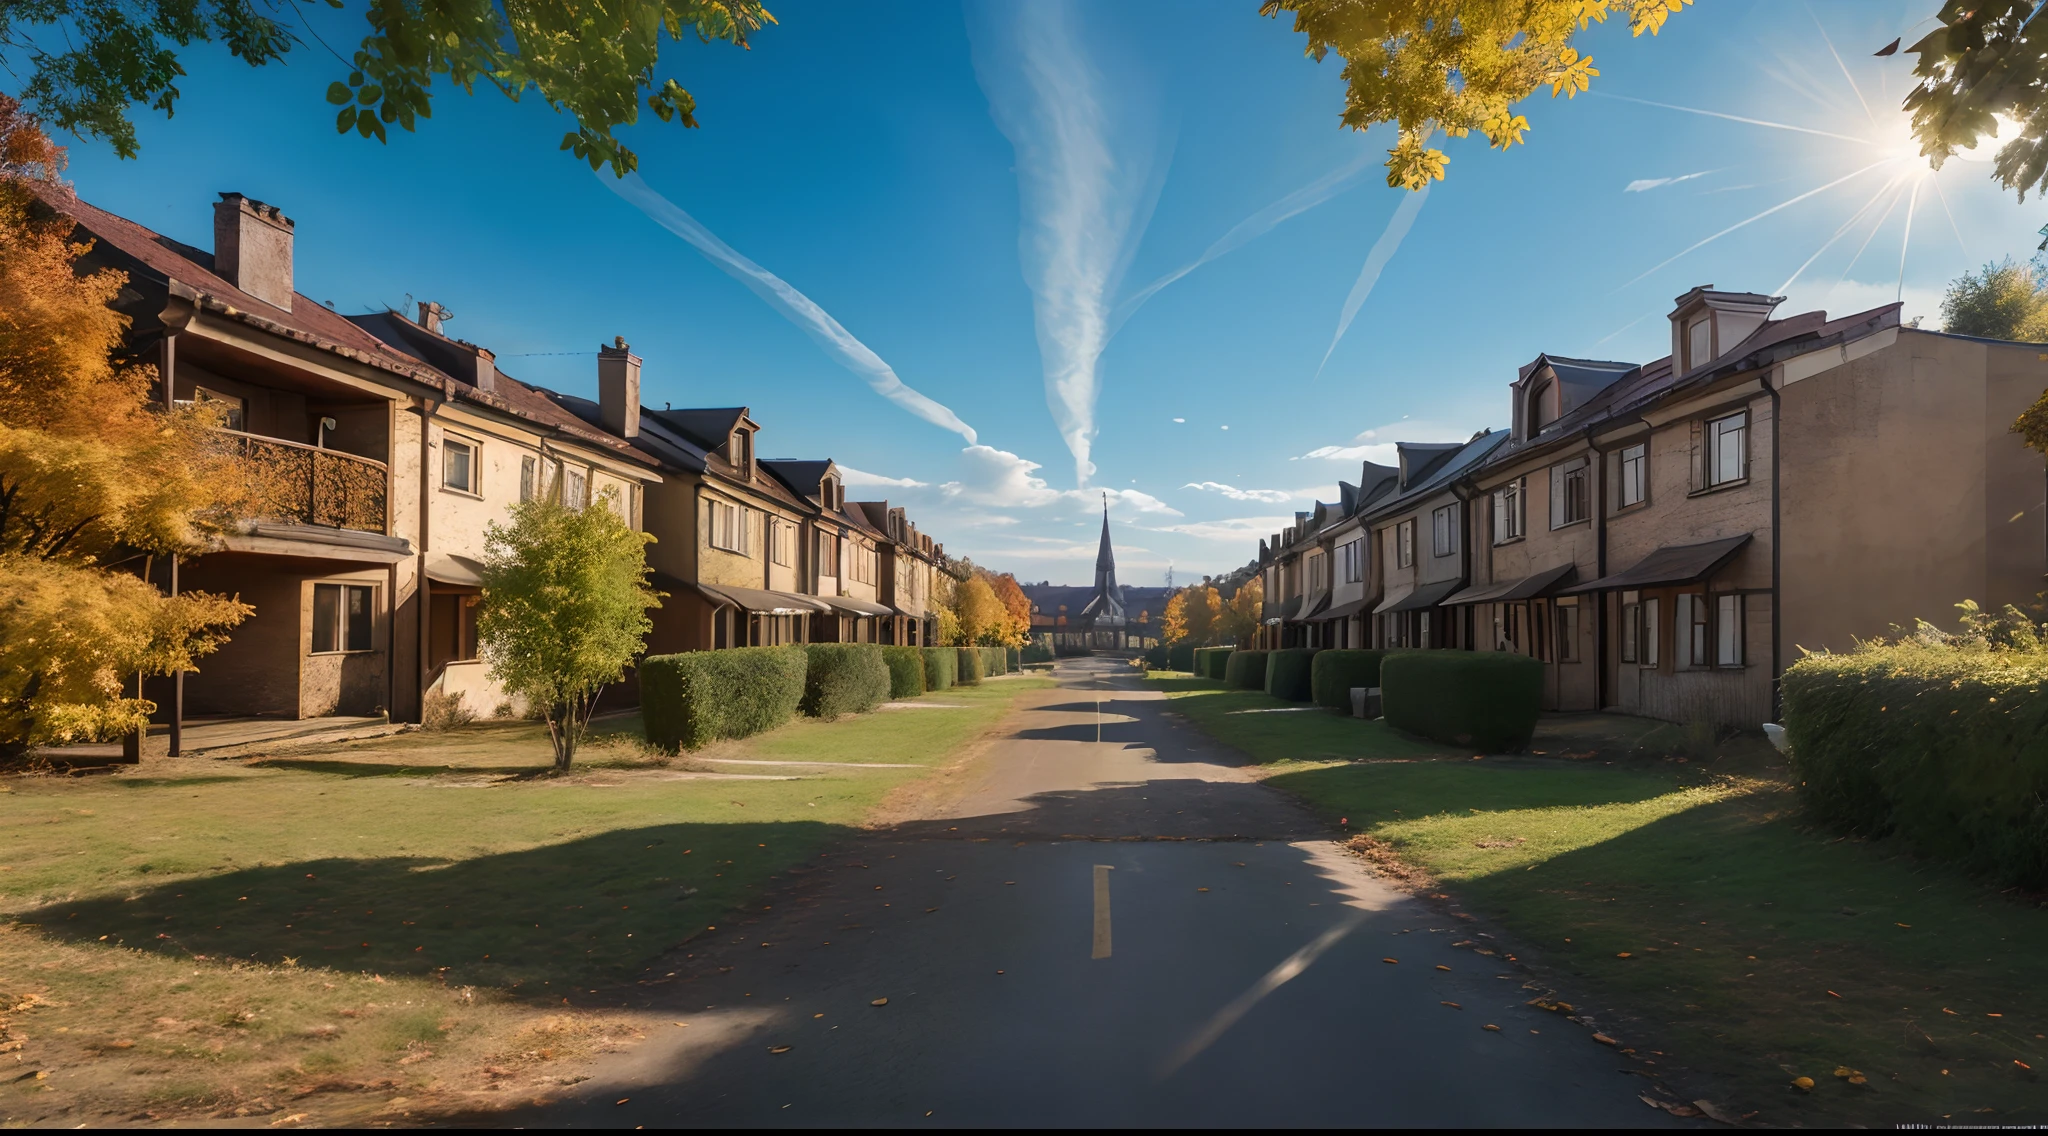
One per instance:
(968, 198)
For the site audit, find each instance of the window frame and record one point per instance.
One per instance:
(1703, 323)
(529, 476)
(1510, 512)
(1648, 637)
(1350, 555)
(1566, 618)
(1631, 629)
(1636, 479)
(1404, 544)
(1729, 615)
(731, 531)
(575, 488)
(474, 466)
(1713, 432)
(1443, 530)
(343, 628)
(1567, 476)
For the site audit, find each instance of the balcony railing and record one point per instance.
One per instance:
(307, 485)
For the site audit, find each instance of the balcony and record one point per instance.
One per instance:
(294, 483)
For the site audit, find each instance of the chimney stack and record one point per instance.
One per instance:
(486, 379)
(252, 248)
(431, 315)
(618, 389)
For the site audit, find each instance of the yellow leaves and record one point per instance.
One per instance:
(1575, 73)
(1803, 1084)
(879, 1002)
(1649, 15)
(1504, 130)
(1852, 1076)
(1412, 166)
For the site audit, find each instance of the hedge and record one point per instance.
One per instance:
(1013, 659)
(1946, 749)
(1211, 661)
(1157, 658)
(1246, 670)
(941, 667)
(1485, 700)
(971, 669)
(994, 661)
(906, 671)
(1181, 657)
(1334, 673)
(1040, 651)
(693, 699)
(1287, 673)
(844, 678)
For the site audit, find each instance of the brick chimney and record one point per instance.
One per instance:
(431, 315)
(618, 389)
(252, 248)
(486, 379)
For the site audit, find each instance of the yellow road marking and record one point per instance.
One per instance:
(1101, 947)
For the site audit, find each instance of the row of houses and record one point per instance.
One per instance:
(384, 447)
(1668, 537)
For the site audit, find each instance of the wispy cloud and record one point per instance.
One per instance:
(1644, 185)
(1235, 530)
(996, 478)
(794, 306)
(1378, 444)
(857, 477)
(1266, 496)
(1383, 250)
(1251, 228)
(1086, 187)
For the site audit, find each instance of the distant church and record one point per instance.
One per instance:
(1106, 616)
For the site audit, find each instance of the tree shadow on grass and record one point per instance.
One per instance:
(1413, 789)
(1175, 685)
(386, 769)
(546, 920)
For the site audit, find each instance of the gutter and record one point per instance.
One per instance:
(1777, 601)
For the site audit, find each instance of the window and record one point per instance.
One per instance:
(1569, 501)
(1351, 561)
(528, 469)
(575, 488)
(729, 527)
(828, 554)
(782, 541)
(1404, 538)
(828, 493)
(1507, 512)
(1631, 630)
(1635, 481)
(1728, 631)
(1699, 342)
(458, 463)
(1728, 449)
(1646, 640)
(1567, 633)
(342, 615)
(743, 450)
(1690, 627)
(1443, 531)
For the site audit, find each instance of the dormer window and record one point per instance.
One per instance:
(742, 450)
(1699, 341)
(1543, 405)
(828, 492)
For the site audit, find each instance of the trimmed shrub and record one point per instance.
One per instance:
(1211, 661)
(1486, 700)
(906, 671)
(1157, 658)
(1181, 657)
(1039, 651)
(1334, 673)
(1246, 670)
(844, 678)
(1288, 671)
(1945, 748)
(971, 671)
(695, 698)
(994, 661)
(941, 667)
(1013, 660)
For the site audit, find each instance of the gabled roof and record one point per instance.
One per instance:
(1462, 458)
(1420, 459)
(803, 476)
(710, 428)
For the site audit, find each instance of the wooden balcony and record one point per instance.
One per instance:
(300, 484)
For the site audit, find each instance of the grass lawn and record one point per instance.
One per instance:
(416, 914)
(1686, 893)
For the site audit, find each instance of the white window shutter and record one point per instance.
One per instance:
(1557, 513)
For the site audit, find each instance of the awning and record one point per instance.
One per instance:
(1426, 596)
(449, 568)
(759, 601)
(1543, 583)
(851, 606)
(1310, 607)
(1286, 611)
(1672, 564)
(1342, 611)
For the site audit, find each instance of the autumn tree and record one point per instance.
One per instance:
(1985, 59)
(1455, 66)
(1016, 628)
(981, 615)
(85, 62)
(1190, 616)
(1239, 619)
(93, 483)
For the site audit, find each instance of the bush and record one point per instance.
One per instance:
(1181, 657)
(1038, 651)
(1157, 658)
(970, 672)
(906, 671)
(1211, 661)
(1013, 660)
(1945, 748)
(1334, 673)
(1486, 700)
(1246, 670)
(1287, 673)
(941, 667)
(844, 678)
(692, 699)
(994, 661)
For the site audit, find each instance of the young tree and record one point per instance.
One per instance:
(1455, 66)
(1239, 619)
(1016, 628)
(593, 60)
(2005, 300)
(93, 482)
(982, 616)
(1199, 606)
(564, 609)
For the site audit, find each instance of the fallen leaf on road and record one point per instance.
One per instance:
(1844, 1071)
(929, 910)
(622, 1100)
(1803, 1084)
(1623, 955)
(1547, 1004)
(1712, 1111)
(1604, 1039)
(1441, 966)
(1390, 960)
(1452, 1005)
(2015, 1061)
(685, 1025)
(879, 1002)
(1905, 925)
(1009, 881)
(1490, 1026)
(1201, 889)
(1240, 863)
(296, 1117)
(1832, 994)
(771, 1049)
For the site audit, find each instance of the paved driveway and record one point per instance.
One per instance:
(1104, 923)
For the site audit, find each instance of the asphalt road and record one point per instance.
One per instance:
(1106, 923)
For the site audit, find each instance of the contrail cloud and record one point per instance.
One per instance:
(1383, 250)
(1086, 196)
(794, 306)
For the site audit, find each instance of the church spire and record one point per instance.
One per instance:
(1105, 560)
